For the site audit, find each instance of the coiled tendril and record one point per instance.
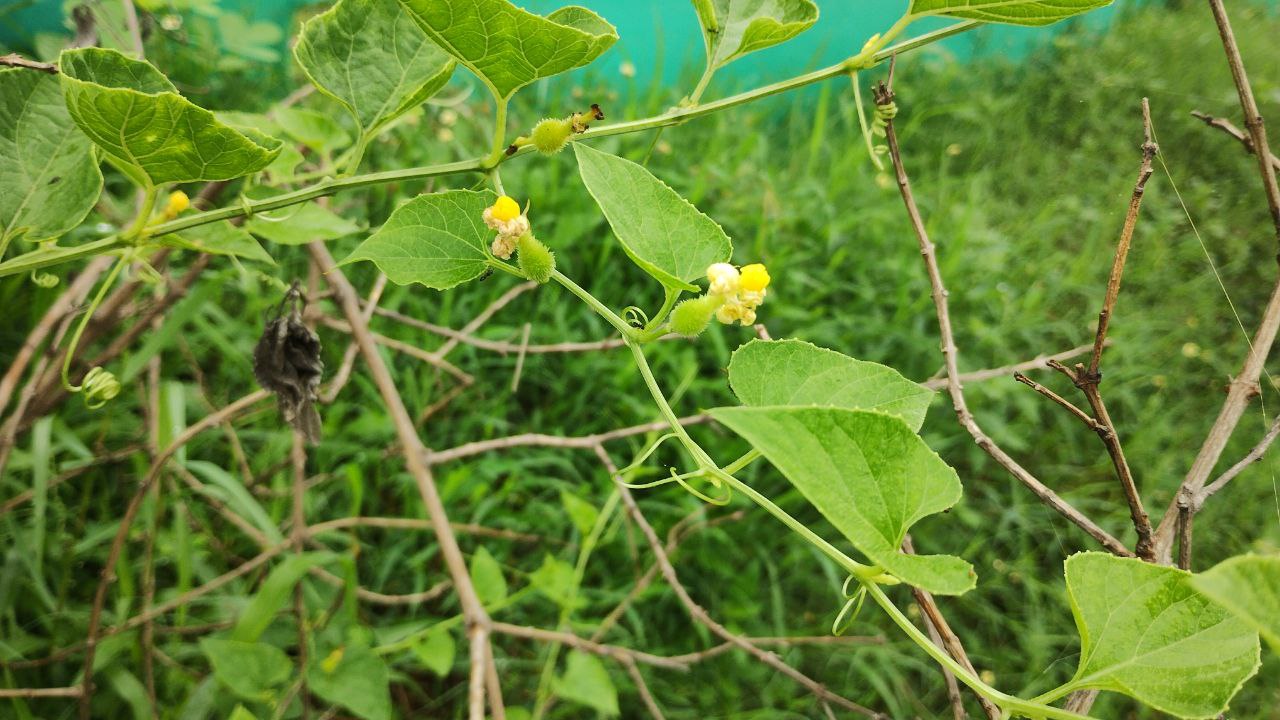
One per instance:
(44, 280)
(852, 606)
(99, 385)
(679, 478)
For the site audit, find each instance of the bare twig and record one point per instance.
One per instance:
(614, 652)
(586, 442)
(32, 693)
(1252, 457)
(884, 96)
(939, 380)
(16, 60)
(343, 374)
(1245, 384)
(414, 453)
(1066, 404)
(1229, 128)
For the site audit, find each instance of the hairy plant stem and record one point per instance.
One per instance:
(868, 58)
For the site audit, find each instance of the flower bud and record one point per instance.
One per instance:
(178, 201)
(551, 135)
(534, 258)
(692, 316)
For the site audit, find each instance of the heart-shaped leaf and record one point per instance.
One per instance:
(794, 372)
(49, 179)
(438, 240)
(1147, 633)
(147, 129)
(1013, 12)
(868, 474)
(1249, 586)
(661, 231)
(733, 28)
(509, 47)
(372, 57)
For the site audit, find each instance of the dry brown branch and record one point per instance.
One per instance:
(1066, 404)
(483, 317)
(613, 652)
(414, 452)
(642, 688)
(699, 615)
(939, 379)
(297, 538)
(586, 442)
(403, 347)
(343, 375)
(499, 346)
(1227, 127)
(884, 96)
(16, 60)
(32, 693)
(1252, 457)
(1244, 386)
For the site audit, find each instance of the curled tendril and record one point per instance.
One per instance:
(679, 478)
(635, 317)
(99, 387)
(852, 606)
(44, 280)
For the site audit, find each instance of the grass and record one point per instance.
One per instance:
(1022, 169)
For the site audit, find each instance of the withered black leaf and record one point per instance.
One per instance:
(286, 361)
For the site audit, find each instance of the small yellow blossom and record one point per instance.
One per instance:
(755, 278)
(723, 279)
(178, 201)
(505, 209)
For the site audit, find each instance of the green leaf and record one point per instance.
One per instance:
(372, 57)
(1248, 586)
(435, 651)
(253, 40)
(241, 713)
(1013, 12)
(438, 240)
(554, 579)
(276, 590)
(314, 129)
(360, 682)
(486, 573)
(49, 179)
(582, 513)
(509, 47)
(662, 232)
(1146, 632)
(868, 474)
(733, 28)
(219, 238)
(794, 372)
(250, 670)
(147, 129)
(586, 681)
(301, 225)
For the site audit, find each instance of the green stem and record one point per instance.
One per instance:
(654, 327)
(357, 153)
(499, 136)
(84, 322)
(618, 323)
(137, 229)
(331, 186)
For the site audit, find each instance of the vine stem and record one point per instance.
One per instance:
(329, 186)
(84, 322)
(868, 576)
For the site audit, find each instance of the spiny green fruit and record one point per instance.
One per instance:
(692, 316)
(550, 135)
(534, 258)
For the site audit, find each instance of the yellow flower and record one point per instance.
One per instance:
(505, 209)
(178, 201)
(723, 279)
(755, 278)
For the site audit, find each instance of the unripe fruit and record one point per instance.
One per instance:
(550, 136)
(692, 316)
(534, 258)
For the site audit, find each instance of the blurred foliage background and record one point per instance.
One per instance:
(1022, 166)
